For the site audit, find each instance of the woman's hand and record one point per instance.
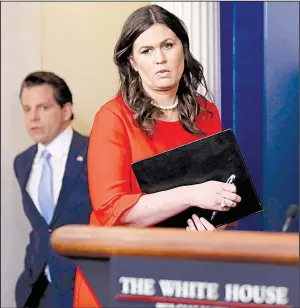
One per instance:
(213, 195)
(199, 224)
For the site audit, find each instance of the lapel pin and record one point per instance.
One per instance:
(79, 158)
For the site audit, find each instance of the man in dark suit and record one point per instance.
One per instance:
(52, 175)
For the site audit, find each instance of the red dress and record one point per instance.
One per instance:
(116, 141)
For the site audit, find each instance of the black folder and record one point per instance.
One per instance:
(216, 157)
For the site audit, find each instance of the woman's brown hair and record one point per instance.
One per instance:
(131, 87)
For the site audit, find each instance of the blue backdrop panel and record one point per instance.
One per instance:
(281, 115)
(260, 98)
(242, 46)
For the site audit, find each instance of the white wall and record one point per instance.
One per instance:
(79, 46)
(20, 54)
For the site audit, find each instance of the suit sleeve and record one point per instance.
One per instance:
(29, 248)
(109, 168)
(16, 160)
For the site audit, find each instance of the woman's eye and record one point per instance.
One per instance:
(168, 45)
(146, 51)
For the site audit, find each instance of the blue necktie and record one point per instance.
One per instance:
(45, 195)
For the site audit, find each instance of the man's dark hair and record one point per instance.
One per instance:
(61, 91)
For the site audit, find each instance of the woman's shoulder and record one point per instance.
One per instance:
(206, 105)
(115, 106)
(209, 117)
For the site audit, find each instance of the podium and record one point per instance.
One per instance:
(173, 268)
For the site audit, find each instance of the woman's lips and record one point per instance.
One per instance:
(163, 73)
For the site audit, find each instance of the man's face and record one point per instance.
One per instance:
(44, 118)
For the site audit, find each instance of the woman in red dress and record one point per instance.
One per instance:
(158, 108)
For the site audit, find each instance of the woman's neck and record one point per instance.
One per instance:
(163, 98)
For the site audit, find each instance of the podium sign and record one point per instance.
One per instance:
(168, 268)
(135, 282)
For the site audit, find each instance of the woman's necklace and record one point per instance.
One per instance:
(170, 107)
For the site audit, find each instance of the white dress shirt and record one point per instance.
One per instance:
(59, 149)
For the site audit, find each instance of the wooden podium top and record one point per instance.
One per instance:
(241, 246)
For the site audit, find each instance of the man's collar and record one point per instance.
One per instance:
(59, 146)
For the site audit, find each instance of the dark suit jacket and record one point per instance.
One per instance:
(73, 207)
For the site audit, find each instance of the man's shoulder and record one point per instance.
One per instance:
(26, 154)
(81, 136)
(79, 140)
(79, 145)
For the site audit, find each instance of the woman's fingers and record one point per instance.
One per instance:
(199, 224)
(229, 187)
(231, 196)
(207, 225)
(191, 225)
(223, 206)
(227, 203)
